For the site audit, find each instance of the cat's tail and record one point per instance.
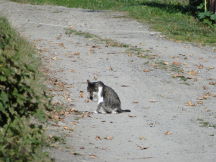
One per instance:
(121, 111)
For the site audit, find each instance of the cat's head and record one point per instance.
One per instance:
(93, 87)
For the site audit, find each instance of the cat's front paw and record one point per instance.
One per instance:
(96, 112)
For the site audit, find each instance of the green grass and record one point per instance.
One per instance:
(171, 17)
(207, 124)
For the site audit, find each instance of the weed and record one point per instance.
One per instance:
(206, 124)
(54, 139)
(108, 42)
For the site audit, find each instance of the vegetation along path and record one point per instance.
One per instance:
(170, 87)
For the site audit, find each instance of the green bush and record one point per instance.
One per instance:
(22, 142)
(20, 89)
(21, 95)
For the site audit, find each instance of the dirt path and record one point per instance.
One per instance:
(171, 119)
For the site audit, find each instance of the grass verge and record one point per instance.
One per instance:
(171, 17)
(22, 99)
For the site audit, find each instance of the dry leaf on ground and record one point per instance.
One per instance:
(135, 102)
(200, 66)
(212, 83)
(74, 123)
(98, 138)
(193, 72)
(176, 63)
(168, 133)
(81, 94)
(67, 128)
(86, 114)
(124, 85)
(93, 156)
(146, 70)
(142, 148)
(54, 58)
(153, 100)
(141, 137)
(76, 53)
(189, 103)
(131, 116)
(110, 68)
(108, 138)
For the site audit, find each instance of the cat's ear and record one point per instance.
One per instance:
(88, 82)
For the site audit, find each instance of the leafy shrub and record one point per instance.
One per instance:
(207, 17)
(20, 89)
(21, 95)
(22, 142)
(200, 11)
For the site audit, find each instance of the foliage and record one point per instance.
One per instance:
(199, 8)
(21, 95)
(206, 17)
(21, 92)
(22, 142)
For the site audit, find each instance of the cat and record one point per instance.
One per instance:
(107, 97)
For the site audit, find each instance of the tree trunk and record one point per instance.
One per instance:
(212, 6)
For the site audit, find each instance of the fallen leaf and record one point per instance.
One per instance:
(124, 86)
(98, 138)
(108, 138)
(86, 114)
(131, 116)
(200, 102)
(168, 133)
(54, 58)
(76, 53)
(193, 72)
(135, 102)
(200, 66)
(165, 63)
(110, 68)
(146, 70)
(153, 100)
(82, 147)
(177, 75)
(94, 46)
(176, 63)
(142, 148)
(93, 156)
(75, 153)
(67, 128)
(189, 103)
(141, 137)
(212, 83)
(55, 125)
(61, 45)
(81, 94)
(74, 123)
(72, 70)
(210, 68)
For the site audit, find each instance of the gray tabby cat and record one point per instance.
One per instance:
(107, 97)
